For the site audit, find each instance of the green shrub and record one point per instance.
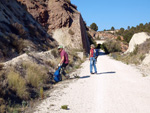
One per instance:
(111, 46)
(142, 57)
(118, 38)
(64, 107)
(135, 50)
(15, 111)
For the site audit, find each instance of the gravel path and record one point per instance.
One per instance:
(117, 88)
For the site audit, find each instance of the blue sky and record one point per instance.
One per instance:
(116, 13)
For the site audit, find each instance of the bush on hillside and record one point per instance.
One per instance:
(17, 84)
(18, 43)
(111, 46)
(145, 47)
(71, 32)
(34, 77)
(1, 66)
(138, 55)
(21, 32)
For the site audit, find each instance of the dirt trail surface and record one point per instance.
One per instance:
(117, 88)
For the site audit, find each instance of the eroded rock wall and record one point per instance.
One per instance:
(62, 20)
(20, 32)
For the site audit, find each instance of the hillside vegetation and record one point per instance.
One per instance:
(137, 56)
(113, 46)
(20, 32)
(128, 33)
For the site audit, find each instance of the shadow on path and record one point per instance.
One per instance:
(85, 77)
(111, 72)
(102, 53)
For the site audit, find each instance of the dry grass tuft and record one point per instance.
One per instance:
(36, 74)
(17, 83)
(41, 93)
(2, 108)
(55, 53)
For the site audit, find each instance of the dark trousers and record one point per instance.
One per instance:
(63, 69)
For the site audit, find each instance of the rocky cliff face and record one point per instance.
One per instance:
(20, 32)
(61, 19)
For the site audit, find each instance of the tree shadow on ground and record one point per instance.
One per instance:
(102, 53)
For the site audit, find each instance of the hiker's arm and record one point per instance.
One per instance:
(62, 60)
(89, 55)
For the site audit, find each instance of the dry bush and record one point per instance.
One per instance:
(18, 84)
(21, 31)
(55, 53)
(145, 47)
(71, 32)
(32, 30)
(2, 108)
(18, 43)
(68, 1)
(1, 66)
(135, 57)
(135, 51)
(74, 60)
(111, 46)
(36, 74)
(3, 83)
(52, 63)
(41, 93)
(139, 53)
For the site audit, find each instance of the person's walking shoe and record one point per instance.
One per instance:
(92, 73)
(67, 76)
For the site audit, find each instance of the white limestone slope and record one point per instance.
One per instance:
(138, 38)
